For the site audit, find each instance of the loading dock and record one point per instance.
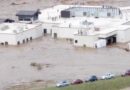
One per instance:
(110, 40)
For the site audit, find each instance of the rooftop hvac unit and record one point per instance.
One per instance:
(85, 22)
(25, 27)
(15, 31)
(5, 27)
(20, 29)
(97, 29)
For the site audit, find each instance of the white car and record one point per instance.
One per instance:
(108, 76)
(62, 83)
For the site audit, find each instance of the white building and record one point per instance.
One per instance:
(101, 38)
(69, 27)
(52, 17)
(19, 33)
(107, 31)
(95, 30)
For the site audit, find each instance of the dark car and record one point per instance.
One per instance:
(93, 78)
(127, 73)
(77, 81)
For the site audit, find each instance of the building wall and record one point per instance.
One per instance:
(123, 36)
(10, 38)
(96, 12)
(13, 39)
(63, 32)
(120, 36)
(32, 33)
(87, 41)
(127, 35)
(27, 18)
(48, 27)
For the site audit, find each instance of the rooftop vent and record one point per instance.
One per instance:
(107, 6)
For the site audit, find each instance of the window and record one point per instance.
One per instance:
(27, 19)
(109, 14)
(76, 41)
(84, 13)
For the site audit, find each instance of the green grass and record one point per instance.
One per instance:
(113, 84)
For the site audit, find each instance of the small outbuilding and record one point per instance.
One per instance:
(25, 15)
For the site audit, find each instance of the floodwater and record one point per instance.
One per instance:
(63, 59)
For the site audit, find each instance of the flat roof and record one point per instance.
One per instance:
(127, 23)
(125, 8)
(15, 28)
(106, 30)
(116, 28)
(97, 22)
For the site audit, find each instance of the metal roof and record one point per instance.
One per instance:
(75, 8)
(26, 13)
(2, 20)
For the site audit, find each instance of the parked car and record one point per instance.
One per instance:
(93, 78)
(107, 76)
(86, 80)
(62, 83)
(77, 81)
(127, 73)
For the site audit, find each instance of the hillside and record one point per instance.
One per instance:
(8, 8)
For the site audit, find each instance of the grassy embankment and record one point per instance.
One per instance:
(113, 84)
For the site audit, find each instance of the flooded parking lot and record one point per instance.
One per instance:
(59, 60)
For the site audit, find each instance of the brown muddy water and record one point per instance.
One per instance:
(54, 60)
